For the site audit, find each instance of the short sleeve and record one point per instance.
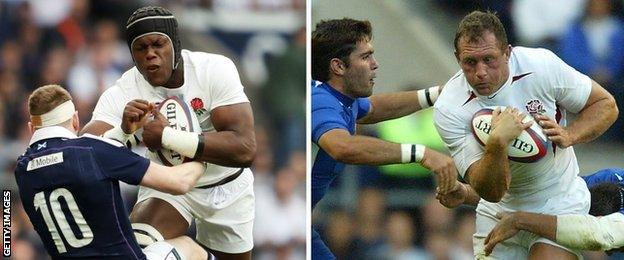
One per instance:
(364, 106)
(572, 88)
(464, 148)
(118, 162)
(108, 108)
(325, 116)
(224, 83)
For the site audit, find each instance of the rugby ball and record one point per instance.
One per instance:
(180, 117)
(530, 146)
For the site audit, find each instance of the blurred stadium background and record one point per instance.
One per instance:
(390, 212)
(80, 44)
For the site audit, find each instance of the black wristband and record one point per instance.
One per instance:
(428, 99)
(413, 156)
(200, 147)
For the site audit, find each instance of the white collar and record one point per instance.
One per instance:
(51, 132)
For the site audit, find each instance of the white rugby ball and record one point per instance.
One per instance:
(180, 117)
(530, 146)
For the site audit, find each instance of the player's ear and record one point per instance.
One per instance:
(507, 52)
(337, 66)
(76, 121)
(31, 127)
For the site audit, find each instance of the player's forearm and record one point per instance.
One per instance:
(367, 150)
(175, 180)
(587, 232)
(387, 106)
(539, 224)
(229, 148)
(491, 176)
(188, 175)
(593, 120)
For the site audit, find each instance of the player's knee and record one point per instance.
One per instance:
(190, 249)
(146, 234)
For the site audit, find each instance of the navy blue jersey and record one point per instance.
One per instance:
(611, 175)
(331, 110)
(70, 190)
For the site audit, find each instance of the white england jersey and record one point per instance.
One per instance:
(539, 82)
(209, 77)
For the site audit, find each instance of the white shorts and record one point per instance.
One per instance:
(162, 251)
(575, 201)
(223, 215)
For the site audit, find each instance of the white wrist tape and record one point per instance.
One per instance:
(412, 153)
(427, 97)
(420, 153)
(59, 114)
(118, 134)
(182, 142)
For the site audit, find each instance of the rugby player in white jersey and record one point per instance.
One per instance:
(532, 81)
(222, 203)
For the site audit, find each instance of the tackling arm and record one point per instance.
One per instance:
(584, 232)
(357, 149)
(387, 106)
(175, 180)
(587, 232)
(510, 223)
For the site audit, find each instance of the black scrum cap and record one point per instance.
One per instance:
(154, 19)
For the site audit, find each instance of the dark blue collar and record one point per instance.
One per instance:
(342, 98)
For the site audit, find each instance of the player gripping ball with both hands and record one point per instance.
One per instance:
(222, 203)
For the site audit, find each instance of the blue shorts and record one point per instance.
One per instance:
(320, 251)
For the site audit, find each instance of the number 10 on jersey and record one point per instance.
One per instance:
(61, 220)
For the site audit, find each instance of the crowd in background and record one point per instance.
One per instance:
(81, 45)
(390, 213)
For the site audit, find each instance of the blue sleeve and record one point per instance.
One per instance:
(363, 107)
(120, 163)
(326, 115)
(612, 175)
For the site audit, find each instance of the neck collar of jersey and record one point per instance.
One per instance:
(344, 99)
(51, 132)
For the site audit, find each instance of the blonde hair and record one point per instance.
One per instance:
(44, 99)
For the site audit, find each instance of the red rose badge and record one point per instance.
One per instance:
(535, 107)
(197, 104)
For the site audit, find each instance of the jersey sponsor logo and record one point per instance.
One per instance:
(44, 161)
